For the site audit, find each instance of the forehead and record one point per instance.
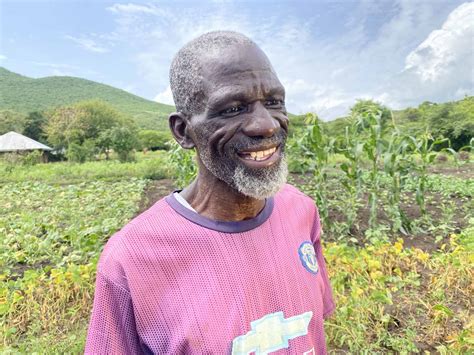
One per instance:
(243, 70)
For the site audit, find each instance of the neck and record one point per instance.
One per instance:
(214, 199)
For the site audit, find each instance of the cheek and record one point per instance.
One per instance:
(283, 119)
(216, 135)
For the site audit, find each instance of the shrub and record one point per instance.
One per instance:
(123, 141)
(80, 153)
(153, 140)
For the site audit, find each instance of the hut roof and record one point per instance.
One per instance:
(12, 141)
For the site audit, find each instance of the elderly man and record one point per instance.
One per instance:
(233, 262)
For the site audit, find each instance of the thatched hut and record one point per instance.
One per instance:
(13, 142)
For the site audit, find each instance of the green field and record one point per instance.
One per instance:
(395, 292)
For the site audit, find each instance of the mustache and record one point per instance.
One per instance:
(249, 143)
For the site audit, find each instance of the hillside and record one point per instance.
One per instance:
(22, 94)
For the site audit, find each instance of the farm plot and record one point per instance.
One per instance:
(51, 236)
(400, 287)
(398, 290)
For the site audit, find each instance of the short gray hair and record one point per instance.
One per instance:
(185, 72)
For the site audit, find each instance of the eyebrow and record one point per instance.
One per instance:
(228, 94)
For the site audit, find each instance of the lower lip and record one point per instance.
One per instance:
(256, 164)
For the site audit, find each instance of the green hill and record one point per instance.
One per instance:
(22, 94)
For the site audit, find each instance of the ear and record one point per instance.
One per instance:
(179, 126)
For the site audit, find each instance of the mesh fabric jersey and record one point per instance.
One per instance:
(174, 282)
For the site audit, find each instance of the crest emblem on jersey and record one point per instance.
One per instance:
(308, 257)
(271, 333)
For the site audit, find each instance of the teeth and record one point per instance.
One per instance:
(262, 154)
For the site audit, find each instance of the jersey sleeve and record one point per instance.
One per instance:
(328, 300)
(112, 327)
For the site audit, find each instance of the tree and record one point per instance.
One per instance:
(412, 114)
(65, 125)
(453, 120)
(364, 113)
(365, 107)
(80, 153)
(34, 126)
(85, 121)
(124, 140)
(104, 143)
(100, 116)
(152, 139)
(11, 121)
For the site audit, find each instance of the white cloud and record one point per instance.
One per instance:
(3, 57)
(446, 50)
(56, 65)
(165, 97)
(88, 44)
(441, 67)
(386, 61)
(135, 9)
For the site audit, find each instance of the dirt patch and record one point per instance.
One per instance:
(18, 270)
(414, 306)
(154, 191)
(425, 233)
(465, 171)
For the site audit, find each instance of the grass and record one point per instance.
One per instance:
(149, 166)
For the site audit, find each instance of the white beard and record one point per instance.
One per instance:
(256, 183)
(265, 184)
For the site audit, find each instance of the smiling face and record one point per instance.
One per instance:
(240, 136)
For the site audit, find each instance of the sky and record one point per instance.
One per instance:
(327, 54)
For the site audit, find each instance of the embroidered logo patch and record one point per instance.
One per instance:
(271, 333)
(308, 257)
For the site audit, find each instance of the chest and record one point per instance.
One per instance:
(220, 294)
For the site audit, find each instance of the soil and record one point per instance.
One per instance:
(18, 270)
(155, 191)
(465, 171)
(405, 309)
(423, 238)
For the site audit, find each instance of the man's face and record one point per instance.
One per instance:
(240, 137)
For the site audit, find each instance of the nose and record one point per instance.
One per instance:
(260, 123)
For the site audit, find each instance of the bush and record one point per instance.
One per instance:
(124, 140)
(80, 153)
(154, 140)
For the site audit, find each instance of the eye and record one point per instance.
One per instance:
(232, 111)
(274, 103)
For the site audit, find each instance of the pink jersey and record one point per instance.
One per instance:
(174, 282)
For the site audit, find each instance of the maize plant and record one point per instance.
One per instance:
(371, 123)
(424, 147)
(183, 164)
(397, 164)
(318, 147)
(353, 152)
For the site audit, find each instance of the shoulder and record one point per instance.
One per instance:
(300, 204)
(290, 194)
(125, 246)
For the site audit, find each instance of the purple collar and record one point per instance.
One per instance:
(222, 226)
